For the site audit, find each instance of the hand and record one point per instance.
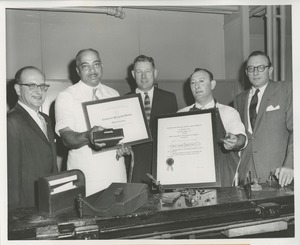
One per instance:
(284, 175)
(123, 151)
(96, 146)
(229, 141)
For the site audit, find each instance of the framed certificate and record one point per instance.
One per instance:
(185, 150)
(125, 112)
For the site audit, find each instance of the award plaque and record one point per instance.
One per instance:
(125, 112)
(185, 150)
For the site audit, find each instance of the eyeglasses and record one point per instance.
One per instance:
(260, 68)
(33, 86)
(87, 67)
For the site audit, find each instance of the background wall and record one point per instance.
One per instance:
(178, 42)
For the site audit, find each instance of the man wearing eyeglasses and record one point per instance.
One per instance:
(266, 110)
(100, 168)
(31, 151)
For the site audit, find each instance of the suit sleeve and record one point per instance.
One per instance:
(289, 161)
(14, 167)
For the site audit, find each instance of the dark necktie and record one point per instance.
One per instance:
(252, 108)
(194, 108)
(147, 106)
(95, 97)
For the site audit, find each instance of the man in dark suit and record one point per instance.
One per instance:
(31, 150)
(156, 101)
(266, 110)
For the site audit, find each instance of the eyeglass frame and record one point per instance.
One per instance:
(87, 67)
(257, 68)
(33, 86)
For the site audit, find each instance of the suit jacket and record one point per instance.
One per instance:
(163, 102)
(271, 144)
(29, 155)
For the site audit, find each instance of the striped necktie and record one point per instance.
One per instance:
(43, 123)
(147, 106)
(252, 108)
(95, 97)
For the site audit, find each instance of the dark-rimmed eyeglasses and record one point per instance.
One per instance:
(260, 68)
(33, 86)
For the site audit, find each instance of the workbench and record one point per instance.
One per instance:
(219, 213)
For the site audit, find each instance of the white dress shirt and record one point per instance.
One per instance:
(100, 168)
(229, 116)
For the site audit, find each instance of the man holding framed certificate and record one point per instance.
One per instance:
(230, 130)
(105, 167)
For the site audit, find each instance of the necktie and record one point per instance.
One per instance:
(43, 123)
(194, 108)
(147, 106)
(252, 108)
(95, 97)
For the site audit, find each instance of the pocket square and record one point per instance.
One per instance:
(272, 108)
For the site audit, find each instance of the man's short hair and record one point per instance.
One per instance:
(20, 72)
(211, 77)
(258, 52)
(84, 50)
(143, 58)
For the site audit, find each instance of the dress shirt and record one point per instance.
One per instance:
(229, 116)
(100, 168)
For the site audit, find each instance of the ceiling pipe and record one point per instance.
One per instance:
(191, 9)
(113, 11)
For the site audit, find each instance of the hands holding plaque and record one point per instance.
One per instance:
(100, 138)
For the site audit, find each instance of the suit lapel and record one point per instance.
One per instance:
(29, 120)
(265, 101)
(154, 103)
(245, 109)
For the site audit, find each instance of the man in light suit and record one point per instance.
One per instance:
(269, 124)
(160, 102)
(31, 150)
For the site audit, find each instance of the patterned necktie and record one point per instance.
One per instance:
(252, 109)
(43, 123)
(95, 97)
(147, 106)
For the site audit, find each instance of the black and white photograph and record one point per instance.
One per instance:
(150, 122)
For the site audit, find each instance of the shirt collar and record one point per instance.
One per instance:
(150, 92)
(86, 87)
(261, 90)
(31, 112)
(209, 105)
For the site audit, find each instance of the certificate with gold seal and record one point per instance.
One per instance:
(185, 152)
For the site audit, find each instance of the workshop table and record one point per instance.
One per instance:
(218, 213)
